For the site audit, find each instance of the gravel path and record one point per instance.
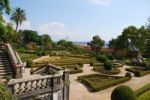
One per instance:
(79, 92)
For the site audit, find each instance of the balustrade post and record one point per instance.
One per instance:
(18, 72)
(66, 86)
(52, 85)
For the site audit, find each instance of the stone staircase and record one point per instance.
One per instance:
(5, 65)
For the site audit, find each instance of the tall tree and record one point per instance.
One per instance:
(18, 16)
(29, 36)
(96, 44)
(5, 6)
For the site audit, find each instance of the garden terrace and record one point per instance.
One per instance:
(66, 60)
(138, 72)
(97, 82)
(73, 63)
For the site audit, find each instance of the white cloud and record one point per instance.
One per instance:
(99, 2)
(54, 29)
(26, 25)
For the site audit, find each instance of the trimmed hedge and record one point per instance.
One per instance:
(111, 72)
(94, 87)
(142, 73)
(29, 64)
(145, 96)
(142, 90)
(75, 71)
(138, 72)
(123, 92)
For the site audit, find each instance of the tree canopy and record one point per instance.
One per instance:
(131, 39)
(18, 16)
(96, 44)
(5, 6)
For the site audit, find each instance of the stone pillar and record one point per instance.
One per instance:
(18, 72)
(66, 85)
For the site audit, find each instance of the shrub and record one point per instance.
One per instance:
(80, 64)
(128, 75)
(8, 77)
(5, 94)
(91, 64)
(108, 65)
(29, 64)
(123, 93)
(110, 57)
(141, 73)
(101, 58)
(76, 68)
(128, 62)
(75, 71)
(143, 64)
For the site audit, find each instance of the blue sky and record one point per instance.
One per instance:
(80, 20)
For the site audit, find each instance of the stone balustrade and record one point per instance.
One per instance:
(28, 88)
(48, 69)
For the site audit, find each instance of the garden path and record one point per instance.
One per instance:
(79, 92)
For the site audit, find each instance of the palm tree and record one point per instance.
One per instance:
(18, 16)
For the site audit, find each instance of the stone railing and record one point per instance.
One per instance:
(17, 65)
(32, 87)
(48, 69)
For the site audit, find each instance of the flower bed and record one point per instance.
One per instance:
(97, 82)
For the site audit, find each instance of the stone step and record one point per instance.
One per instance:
(3, 58)
(4, 73)
(5, 70)
(2, 65)
(4, 62)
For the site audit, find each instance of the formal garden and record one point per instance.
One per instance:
(124, 59)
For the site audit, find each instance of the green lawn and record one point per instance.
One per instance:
(67, 60)
(27, 56)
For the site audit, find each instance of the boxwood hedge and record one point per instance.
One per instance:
(94, 87)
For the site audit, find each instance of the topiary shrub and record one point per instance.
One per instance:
(101, 58)
(128, 62)
(123, 93)
(80, 64)
(108, 65)
(91, 64)
(29, 64)
(110, 57)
